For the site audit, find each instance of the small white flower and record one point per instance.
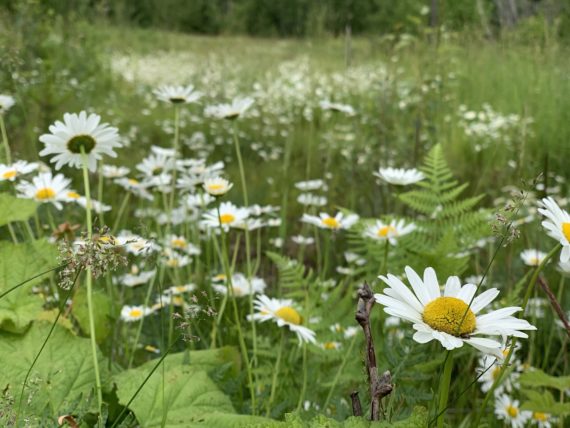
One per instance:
(309, 199)
(399, 176)
(389, 231)
(303, 240)
(45, 188)
(309, 185)
(242, 287)
(217, 186)
(509, 410)
(283, 313)
(112, 171)
(325, 221)
(342, 108)
(532, 257)
(229, 216)
(136, 277)
(80, 132)
(177, 94)
(6, 103)
(557, 225)
(11, 172)
(134, 313)
(230, 111)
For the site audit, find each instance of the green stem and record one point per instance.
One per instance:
(241, 169)
(100, 194)
(176, 155)
(5, 140)
(140, 326)
(444, 388)
(121, 211)
(276, 372)
(339, 371)
(89, 285)
(12, 233)
(305, 377)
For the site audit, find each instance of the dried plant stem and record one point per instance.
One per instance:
(380, 386)
(555, 303)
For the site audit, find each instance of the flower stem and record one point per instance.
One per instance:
(347, 354)
(276, 372)
(176, 156)
(89, 285)
(5, 140)
(444, 388)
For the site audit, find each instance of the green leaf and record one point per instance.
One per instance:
(544, 402)
(537, 378)
(20, 262)
(103, 323)
(190, 399)
(15, 209)
(63, 372)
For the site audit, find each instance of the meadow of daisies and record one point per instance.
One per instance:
(206, 234)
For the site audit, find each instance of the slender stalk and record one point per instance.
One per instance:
(347, 354)
(551, 333)
(305, 377)
(89, 286)
(15, 287)
(444, 388)
(122, 208)
(100, 193)
(240, 165)
(176, 148)
(139, 328)
(12, 233)
(276, 372)
(5, 140)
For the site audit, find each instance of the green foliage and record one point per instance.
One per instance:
(293, 276)
(447, 226)
(19, 263)
(190, 399)
(540, 399)
(62, 376)
(537, 378)
(103, 324)
(15, 209)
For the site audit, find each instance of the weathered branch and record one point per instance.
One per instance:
(555, 303)
(356, 406)
(379, 386)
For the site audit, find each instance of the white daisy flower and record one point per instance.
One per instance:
(45, 188)
(177, 94)
(311, 200)
(98, 207)
(199, 200)
(11, 172)
(173, 259)
(217, 186)
(229, 216)
(134, 313)
(155, 164)
(136, 277)
(490, 367)
(330, 346)
(135, 244)
(389, 231)
(283, 313)
(543, 420)
(112, 171)
(532, 257)
(6, 103)
(230, 111)
(79, 131)
(557, 225)
(307, 186)
(303, 240)
(242, 287)
(325, 221)
(399, 176)
(509, 411)
(135, 187)
(448, 318)
(342, 108)
(176, 290)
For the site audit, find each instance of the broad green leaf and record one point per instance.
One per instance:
(18, 263)
(207, 360)
(63, 372)
(190, 399)
(544, 402)
(102, 314)
(15, 209)
(537, 378)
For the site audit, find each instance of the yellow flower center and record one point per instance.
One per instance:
(178, 243)
(136, 313)
(566, 230)
(534, 261)
(73, 195)
(9, 174)
(331, 223)
(215, 187)
(227, 218)
(172, 262)
(45, 193)
(329, 345)
(385, 230)
(220, 277)
(288, 314)
(133, 182)
(539, 416)
(446, 314)
(512, 411)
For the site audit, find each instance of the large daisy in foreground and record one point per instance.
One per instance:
(448, 317)
(284, 314)
(80, 132)
(557, 226)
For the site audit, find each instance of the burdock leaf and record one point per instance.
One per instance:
(18, 263)
(15, 209)
(63, 371)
